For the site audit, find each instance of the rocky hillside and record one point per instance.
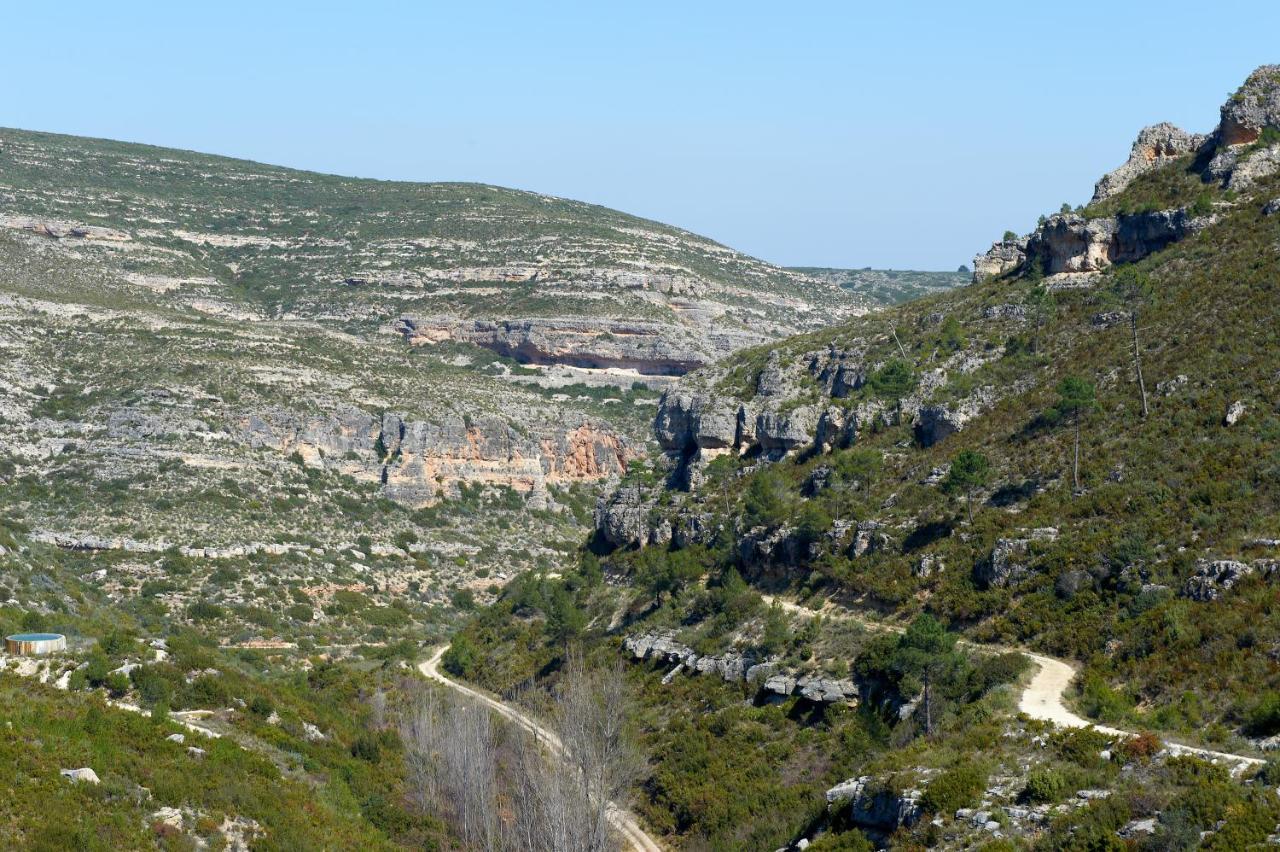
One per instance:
(222, 356)
(505, 269)
(1173, 185)
(1077, 453)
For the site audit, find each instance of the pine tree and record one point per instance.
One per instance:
(1076, 398)
(969, 472)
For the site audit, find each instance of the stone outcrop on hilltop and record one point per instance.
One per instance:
(1007, 255)
(1074, 243)
(1070, 242)
(1229, 157)
(1154, 147)
(1254, 106)
(419, 462)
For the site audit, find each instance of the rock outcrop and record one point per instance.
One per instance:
(936, 422)
(1071, 243)
(1254, 106)
(732, 667)
(623, 520)
(1003, 257)
(1155, 146)
(1141, 234)
(874, 804)
(1241, 169)
(1214, 577)
(688, 423)
(84, 774)
(1010, 559)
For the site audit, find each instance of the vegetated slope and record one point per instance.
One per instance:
(921, 463)
(1161, 495)
(305, 753)
(886, 287)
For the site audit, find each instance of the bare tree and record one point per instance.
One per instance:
(592, 712)
(452, 756)
(420, 733)
(549, 810)
(553, 793)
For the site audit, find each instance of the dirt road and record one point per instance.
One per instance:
(1044, 696)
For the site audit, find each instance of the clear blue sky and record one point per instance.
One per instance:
(901, 134)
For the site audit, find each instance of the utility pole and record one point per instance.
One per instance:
(1075, 468)
(928, 705)
(899, 342)
(1137, 361)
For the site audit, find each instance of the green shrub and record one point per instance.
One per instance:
(204, 611)
(848, 841)
(117, 683)
(1046, 785)
(1264, 718)
(1081, 746)
(460, 659)
(958, 787)
(300, 612)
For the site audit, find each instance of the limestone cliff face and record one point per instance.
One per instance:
(1255, 106)
(420, 462)
(1069, 242)
(648, 348)
(800, 405)
(697, 422)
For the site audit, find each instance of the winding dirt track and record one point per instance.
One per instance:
(621, 820)
(1043, 697)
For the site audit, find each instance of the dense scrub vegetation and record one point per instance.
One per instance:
(1109, 490)
(1155, 493)
(740, 772)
